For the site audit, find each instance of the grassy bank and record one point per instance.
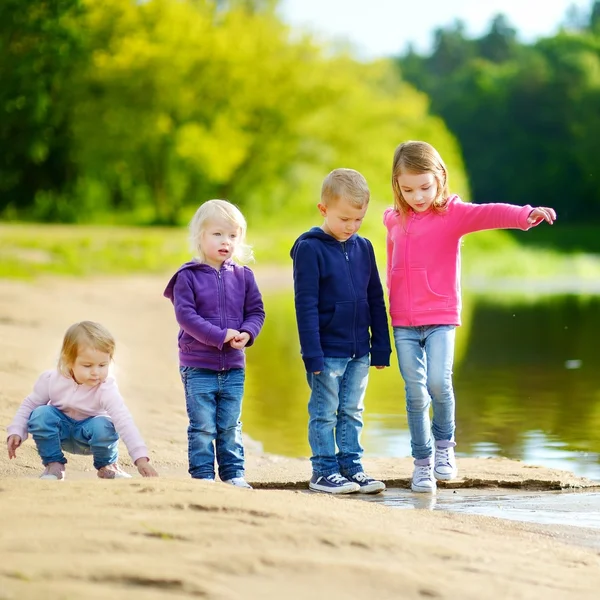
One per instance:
(27, 251)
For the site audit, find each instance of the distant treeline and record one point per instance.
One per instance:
(527, 116)
(130, 111)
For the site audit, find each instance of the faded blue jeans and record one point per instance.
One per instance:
(214, 404)
(335, 415)
(53, 432)
(425, 357)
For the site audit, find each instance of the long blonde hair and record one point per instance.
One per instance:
(84, 333)
(216, 210)
(416, 157)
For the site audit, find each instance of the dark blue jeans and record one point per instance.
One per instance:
(214, 404)
(53, 432)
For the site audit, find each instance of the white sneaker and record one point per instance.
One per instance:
(239, 482)
(422, 479)
(445, 467)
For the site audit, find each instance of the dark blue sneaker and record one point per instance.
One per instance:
(367, 484)
(333, 484)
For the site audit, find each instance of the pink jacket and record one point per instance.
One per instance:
(80, 402)
(423, 257)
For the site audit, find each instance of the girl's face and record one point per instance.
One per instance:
(90, 367)
(418, 189)
(218, 242)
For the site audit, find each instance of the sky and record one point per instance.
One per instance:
(377, 28)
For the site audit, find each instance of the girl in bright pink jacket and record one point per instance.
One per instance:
(424, 229)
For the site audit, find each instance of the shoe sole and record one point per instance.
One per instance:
(423, 490)
(372, 488)
(51, 478)
(445, 476)
(324, 490)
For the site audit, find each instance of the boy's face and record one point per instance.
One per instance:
(342, 218)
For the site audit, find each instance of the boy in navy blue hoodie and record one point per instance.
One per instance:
(343, 329)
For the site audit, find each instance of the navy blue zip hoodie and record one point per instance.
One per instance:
(340, 309)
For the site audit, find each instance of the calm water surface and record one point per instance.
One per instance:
(526, 381)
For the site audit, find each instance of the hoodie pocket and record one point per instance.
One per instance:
(339, 328)
(423, 297)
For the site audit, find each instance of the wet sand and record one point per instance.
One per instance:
(175, 538)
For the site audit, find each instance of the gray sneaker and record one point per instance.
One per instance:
(239, 482)
(422, 479)
(445, 467)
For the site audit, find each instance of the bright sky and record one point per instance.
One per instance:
(385, 27)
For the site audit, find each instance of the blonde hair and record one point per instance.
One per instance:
(417, 158)
(84, 333)
(345, 184)
(219, 210)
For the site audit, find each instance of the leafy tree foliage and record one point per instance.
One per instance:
(526, 116)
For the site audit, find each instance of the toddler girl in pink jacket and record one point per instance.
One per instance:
(77, 408)
(424, 229)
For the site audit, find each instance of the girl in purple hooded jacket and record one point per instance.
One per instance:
(220, 312)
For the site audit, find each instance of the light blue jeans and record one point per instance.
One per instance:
(425, 357)
(214, 405)
(335, 415)
(53, 432)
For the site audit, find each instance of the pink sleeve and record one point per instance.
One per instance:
(387, 215)
(478, 217)
(113, 403)
(39, 397)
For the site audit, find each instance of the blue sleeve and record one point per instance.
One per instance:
(306, 299)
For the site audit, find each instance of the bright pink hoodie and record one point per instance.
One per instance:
(423, 257)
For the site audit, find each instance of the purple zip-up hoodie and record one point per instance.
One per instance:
(208, 302)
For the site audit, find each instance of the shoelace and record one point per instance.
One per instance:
(442, 457)
(336, 478)
(423, 473)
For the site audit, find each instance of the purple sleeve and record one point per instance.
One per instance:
(188, 318)
(254, 311)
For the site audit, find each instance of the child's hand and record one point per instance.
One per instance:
(231, 333)
(380, 367)
(537, 215)
(144, 468)
(13, 442)
(239, 341)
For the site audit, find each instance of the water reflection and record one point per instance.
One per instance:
(525, 377)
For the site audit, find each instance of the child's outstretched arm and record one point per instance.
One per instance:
(13, 442)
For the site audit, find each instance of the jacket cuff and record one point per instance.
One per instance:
(380, 358)
(313, 363)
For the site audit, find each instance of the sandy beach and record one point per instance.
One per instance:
(173, 537)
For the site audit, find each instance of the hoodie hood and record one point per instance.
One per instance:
(318, 233)
(192, 264)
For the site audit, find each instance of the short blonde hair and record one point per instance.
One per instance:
(219, 210)
(346, 184)
(84, 333)
(416, 157)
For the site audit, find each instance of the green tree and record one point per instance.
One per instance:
(41, 46)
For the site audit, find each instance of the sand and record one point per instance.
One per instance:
(172, 537)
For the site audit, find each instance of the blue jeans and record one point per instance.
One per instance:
(53, 432)
(214, 404)
(335, 415)
(425, 357)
